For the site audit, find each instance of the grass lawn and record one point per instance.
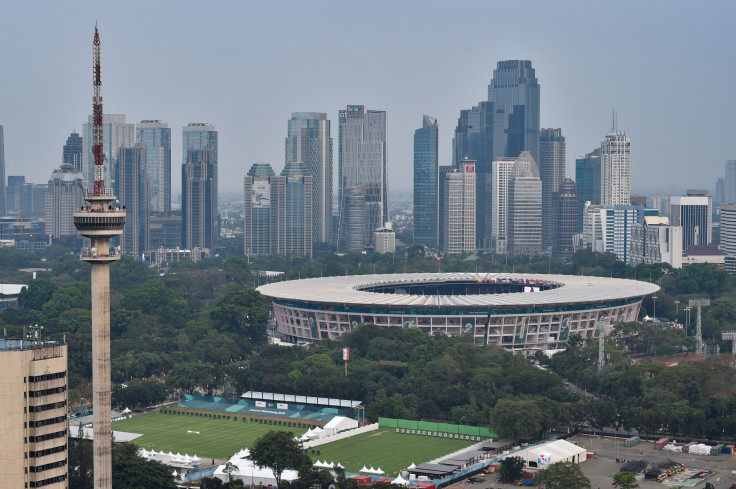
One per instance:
(385, 448)
(217, 438)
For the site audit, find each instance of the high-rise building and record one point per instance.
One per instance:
(3, 207)
(588, 181)
(426, 189)
(501, 173)
(730, 182)
(257, 211)
(165, 230)
(552, 153)
(25, 200)
(503, 170)
(693, 213)
(294, 211)
(728, 235)
(720, 195)
(525, 212)
(459, 207)
(615, 169)
(33, 430)
(362, 171)
(155, 137)
(133, 193)
(514, 87)
(443, 171)
(309, 142)
(480, 136)
(199, 186)
(116, 134)
(617, 223)
(654, 240)
(63, 198)
(73, 151)
(564, 219)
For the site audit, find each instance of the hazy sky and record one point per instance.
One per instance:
(667, 67)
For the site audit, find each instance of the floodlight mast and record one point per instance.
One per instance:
(699, 303)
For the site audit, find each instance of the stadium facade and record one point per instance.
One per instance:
(514, 311)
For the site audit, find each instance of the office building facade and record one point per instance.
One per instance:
(426, 188)
(199, 186)
(33, 427)
(480, 136)
(459, 207)
(362, 170)
(155, 137)
(525, 214)
(257, 211)
(654, 240)
(564, 218)
(63, 198)
(552, 154)
(615, 169)
(293, 230)
(73, 151)
(588, 181)
(133, 193)
(514, 87)
(728, 235)
(730, 182)
(309, 142)
(116, 134)
(3, 205)
(693, 212)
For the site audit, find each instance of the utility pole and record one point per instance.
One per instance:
(699, 303)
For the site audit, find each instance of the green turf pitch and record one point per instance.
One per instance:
(217, 438)
(385, 448)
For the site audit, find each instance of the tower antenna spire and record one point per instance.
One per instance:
(97, 136)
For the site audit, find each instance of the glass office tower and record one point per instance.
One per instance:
(155, 137)
(199, 186)
(426, 167)
(362, 170)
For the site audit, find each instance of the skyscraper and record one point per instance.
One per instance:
(426, 190)
(588, 181)
(730, 182)
(73, 151)
(459, 208)
(564, 219)
(728, 235)
(155, 138)
(308, 141)
(132, 181)
(480, 136)
(525, 208)
(693, 213)
(3, 207)
(615, 168)
(294, 211)
(199, 186)
(362, 171)
(257, 211)
(552, 172)
(501, 174)
(63, 198)
(514, 87)
(33, 380)
(116, 134)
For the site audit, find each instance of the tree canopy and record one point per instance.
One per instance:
(278, 450)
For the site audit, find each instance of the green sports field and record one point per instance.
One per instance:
(386, 449)
(217, 438)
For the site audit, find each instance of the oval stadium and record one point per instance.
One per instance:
(514, 311)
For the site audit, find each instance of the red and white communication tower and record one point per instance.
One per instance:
(97, 138)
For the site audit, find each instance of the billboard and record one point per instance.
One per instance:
(521, 329)
(468, 326)
(565, 329)
(261, 194)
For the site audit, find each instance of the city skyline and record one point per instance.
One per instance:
(425, 71)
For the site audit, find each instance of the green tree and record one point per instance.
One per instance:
(37, 294)
(242, 311)
(625, 480)
(562, 475)
(516, 417)
(129, 471)
(278, 451)
(511, 469)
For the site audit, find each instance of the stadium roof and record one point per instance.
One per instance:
(347, 290)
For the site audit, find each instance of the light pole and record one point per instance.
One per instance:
(654, 312)
(687, 323)
(677, 310)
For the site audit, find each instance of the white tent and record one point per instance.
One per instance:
(127, 411)
(400, 481)
(251, 474)
(412, 466)
(364, 469)
(379, 471)
(338, 424)
(552, 452)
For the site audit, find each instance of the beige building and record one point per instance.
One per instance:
(33, 425)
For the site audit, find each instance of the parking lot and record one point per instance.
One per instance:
(600, 471)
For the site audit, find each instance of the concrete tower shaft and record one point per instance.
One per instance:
(100, 220)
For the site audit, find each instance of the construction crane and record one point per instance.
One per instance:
(97, 135)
